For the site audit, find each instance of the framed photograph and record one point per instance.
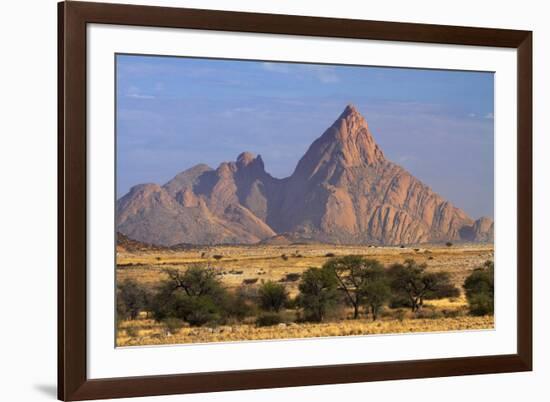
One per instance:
(254, 201)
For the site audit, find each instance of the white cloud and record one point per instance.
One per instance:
(232, 112)
(134, 92)
(325, 74)
(490, 116)
(276, 67)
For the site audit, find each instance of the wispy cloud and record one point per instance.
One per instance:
(276, 67)
(134, 92)
(489, 116)
(324, 74)
(237, 110)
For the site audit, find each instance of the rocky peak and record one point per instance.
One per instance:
(348, 142)
(245, 158)
(356, 143)
(249, 161)
(350, 110)
(342, 191)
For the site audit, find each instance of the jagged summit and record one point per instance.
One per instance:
(248, 159)
(343, 190)
(350, 109)
(245, 158)
(346, 143)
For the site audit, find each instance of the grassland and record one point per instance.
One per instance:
(256, 264)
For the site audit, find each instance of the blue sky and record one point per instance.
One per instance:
(174, 112)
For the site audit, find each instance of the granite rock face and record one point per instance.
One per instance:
(343, 190)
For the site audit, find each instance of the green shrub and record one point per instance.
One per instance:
(411, 284)
(272, 296)
(173, 324)
(376, 293)
(480, 289)
(239, 304)
(194, 296)
(130, 299)
(399, 301)
(318, 293)
(268, 319)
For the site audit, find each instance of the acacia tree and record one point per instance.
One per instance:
(376, 291)
(318, 293)
(195, 296)
(195, 281)
(353, 274)
(411, 280)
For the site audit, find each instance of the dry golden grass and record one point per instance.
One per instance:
(265, 263)
(148, 332)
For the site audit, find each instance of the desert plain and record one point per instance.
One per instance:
(251, 265)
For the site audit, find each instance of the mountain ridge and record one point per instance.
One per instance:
(343, 190)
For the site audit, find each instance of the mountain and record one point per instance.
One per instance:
(343, 190)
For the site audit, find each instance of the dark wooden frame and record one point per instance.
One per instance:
(73, 17)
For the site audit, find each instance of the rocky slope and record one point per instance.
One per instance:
(343, 190)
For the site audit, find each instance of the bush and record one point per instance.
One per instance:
(195, 296)
(318, 293)
(480, 290)
(448, 244)
(201, 310)
(250, 281)
(399, 301)
(272, 296)
(329, 255)
(481, 304)
(131, 299)
(173, 324)
(239, 305)
(447, 290)
(217, 257)
(410, 282)
(268, 319)
(195, 310)
(376, 292)
(284, 257)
